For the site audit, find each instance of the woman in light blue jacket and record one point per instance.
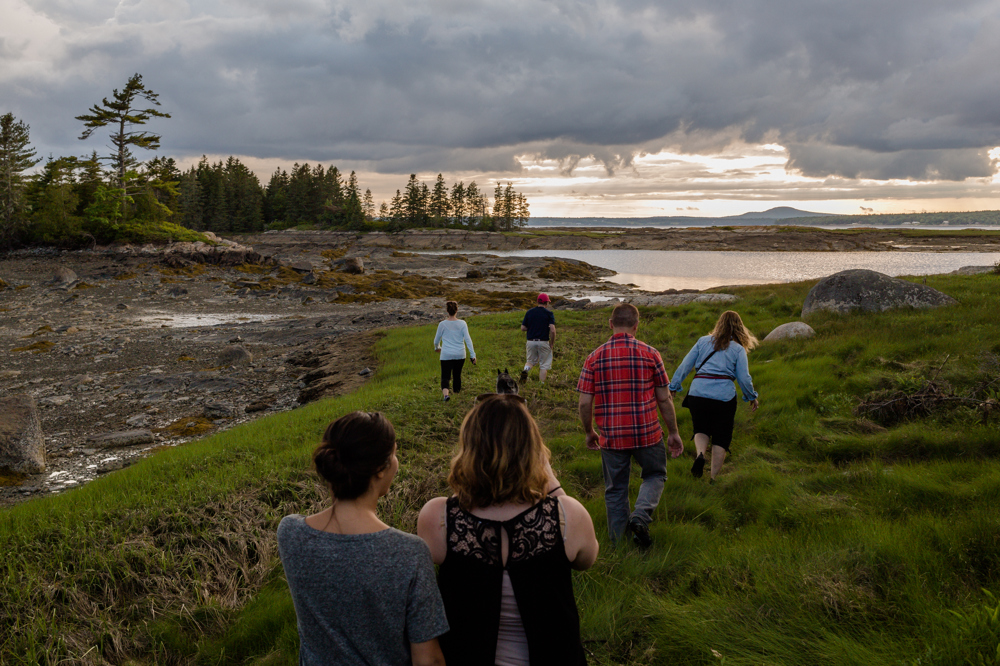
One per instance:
(451, 340)
(718, 359)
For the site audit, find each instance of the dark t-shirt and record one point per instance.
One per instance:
(537, 321)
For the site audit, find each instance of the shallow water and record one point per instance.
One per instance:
(170, 320)
(657, 270)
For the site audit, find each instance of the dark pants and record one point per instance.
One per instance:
(617, 468)
(452, 369)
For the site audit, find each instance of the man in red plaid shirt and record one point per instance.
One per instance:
(622, 384)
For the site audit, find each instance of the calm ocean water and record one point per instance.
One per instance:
(657, 270)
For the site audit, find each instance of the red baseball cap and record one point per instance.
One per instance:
(543, 298)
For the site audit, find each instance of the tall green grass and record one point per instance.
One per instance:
(828, 539)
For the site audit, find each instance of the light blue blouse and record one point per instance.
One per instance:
(730, 362)
(453, 337)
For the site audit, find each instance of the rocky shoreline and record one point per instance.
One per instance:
(130, 349)
(126, 350)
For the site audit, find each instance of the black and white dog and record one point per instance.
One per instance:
(506, 383)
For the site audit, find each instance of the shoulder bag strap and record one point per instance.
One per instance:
(698, 369)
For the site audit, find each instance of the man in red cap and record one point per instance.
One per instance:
(540, 325)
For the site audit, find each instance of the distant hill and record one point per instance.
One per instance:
(765, 217)
(784, 215)
(779, 213)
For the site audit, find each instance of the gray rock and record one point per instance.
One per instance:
(235, 355)
(63, 276)
(137, 421)
(177, 291)
(113, 465)
(355, 265)
(310, 278)
(301, 266)
(670, 300)
(793, 329)
(117, 439)
(973, 270)
(22, 447)
(870, 291)
(56, 400)
(218, 410)
(258, 406)
(215, 384)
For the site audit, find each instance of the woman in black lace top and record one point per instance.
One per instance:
(506, 542)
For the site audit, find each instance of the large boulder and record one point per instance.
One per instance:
(870, 291)
(355, 265)
(235, 355)
(22, 446)
(63, 277)
(793, 329)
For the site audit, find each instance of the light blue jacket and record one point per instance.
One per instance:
(730, 362)
(452, 337)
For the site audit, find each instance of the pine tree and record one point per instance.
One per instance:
(300, 190)
(522, 214)
(412, 202)
(439, 205)
(91, 176)
(425, 202)
(354, 215)
(276, 198)
(383, 212)
(54, 202)
(123, 114)
(458, 203)
(15, 158)
(396, 211)
(368, 205)
(189, 207)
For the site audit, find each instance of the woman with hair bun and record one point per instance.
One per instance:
(719, 359)
(451, 339)
(506, 542)
(364, 592)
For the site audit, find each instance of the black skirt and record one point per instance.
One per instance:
(713, 418)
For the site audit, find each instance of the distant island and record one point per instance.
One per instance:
(779, 215)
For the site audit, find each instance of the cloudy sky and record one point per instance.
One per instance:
(590, 107)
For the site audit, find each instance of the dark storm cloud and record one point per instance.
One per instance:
(889, 89)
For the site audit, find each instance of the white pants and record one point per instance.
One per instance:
(539, 353)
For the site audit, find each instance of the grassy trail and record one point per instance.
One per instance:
(828, 540)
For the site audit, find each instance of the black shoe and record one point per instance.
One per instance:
(446, 398)
(698, 467)
(640, 533)
(524, 376)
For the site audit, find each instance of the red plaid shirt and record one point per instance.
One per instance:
(622, 374)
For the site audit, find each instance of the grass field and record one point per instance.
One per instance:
(829, 539)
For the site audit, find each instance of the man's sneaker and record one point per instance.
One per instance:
(698, 467)
(640, 533)
(446, 398)
(524, 376)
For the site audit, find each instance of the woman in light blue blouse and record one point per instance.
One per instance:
(451, 340)
(719, 359)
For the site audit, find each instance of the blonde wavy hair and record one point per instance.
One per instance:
(730, 327)
(501, 455)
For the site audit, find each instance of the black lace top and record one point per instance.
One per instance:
(472, 575)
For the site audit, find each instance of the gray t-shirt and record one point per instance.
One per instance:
(359, 598)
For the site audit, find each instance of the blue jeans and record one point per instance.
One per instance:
(617, 468)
